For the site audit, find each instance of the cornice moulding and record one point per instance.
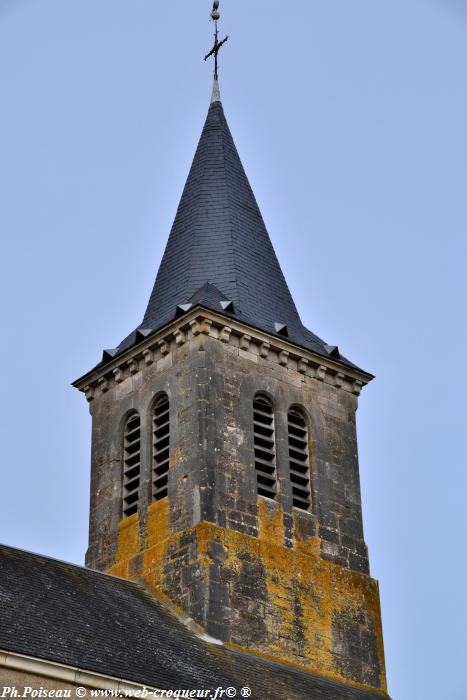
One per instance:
(229, 331)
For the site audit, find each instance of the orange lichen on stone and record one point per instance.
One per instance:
(157, 544)
(270, 522)
(120, 570)
(157, 528)
(151, 542)
(303, 594)
(303, 591)
(128, 538)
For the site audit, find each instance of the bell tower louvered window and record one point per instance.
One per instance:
(161, 447)
(264, 442)
(132, 464)
(299, 460)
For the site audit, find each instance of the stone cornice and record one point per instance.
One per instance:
(251, 343)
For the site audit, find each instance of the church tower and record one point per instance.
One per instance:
(224, 451)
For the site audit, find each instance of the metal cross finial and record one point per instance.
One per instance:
(215, 15)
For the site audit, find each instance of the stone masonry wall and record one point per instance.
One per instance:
(254, 573)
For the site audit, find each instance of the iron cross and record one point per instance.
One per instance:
(215, 15)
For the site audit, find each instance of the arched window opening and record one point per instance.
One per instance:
(161, 447)
(264, 443)
(131, 464)
(299, 459)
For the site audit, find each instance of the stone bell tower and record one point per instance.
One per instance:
(224, 451)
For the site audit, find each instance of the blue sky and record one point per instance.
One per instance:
(350, 118)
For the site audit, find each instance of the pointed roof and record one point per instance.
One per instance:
(219, 242)
(219, 237)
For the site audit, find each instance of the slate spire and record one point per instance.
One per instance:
(219, 249)
(219, 237)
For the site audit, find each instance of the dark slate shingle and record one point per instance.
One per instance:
(219, 237)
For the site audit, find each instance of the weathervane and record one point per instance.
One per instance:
(215, 15)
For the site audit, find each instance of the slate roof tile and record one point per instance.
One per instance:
(219, 237)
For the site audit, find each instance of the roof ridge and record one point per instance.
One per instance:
(81, 567)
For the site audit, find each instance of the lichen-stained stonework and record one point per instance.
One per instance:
(255, 573)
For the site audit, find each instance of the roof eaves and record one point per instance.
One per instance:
(340, 362)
